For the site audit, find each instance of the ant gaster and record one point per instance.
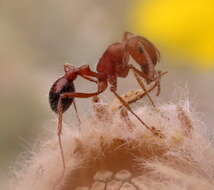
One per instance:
(114, 63)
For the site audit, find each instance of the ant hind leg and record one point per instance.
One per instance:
(59, 133)
(59, 129)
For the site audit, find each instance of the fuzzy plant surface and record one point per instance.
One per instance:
(114, 151)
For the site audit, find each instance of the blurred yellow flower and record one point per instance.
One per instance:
(186, 26)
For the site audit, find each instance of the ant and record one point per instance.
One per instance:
(114, 63)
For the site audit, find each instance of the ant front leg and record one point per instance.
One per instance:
(157, 77)
(140, 82)
(113, 89)
(141, 73)
(129, 108)
(125, 104)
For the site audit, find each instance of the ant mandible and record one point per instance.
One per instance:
(114, 63)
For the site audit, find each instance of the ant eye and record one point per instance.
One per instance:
(140, 49)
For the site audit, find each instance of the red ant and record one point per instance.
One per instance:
(112, 64)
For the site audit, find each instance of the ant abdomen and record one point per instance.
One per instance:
(59, 87)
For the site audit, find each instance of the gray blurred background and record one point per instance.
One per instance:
(38, 37)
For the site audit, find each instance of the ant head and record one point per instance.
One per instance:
(142, 50)
(70, 71)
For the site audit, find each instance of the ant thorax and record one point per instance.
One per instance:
(113, 62)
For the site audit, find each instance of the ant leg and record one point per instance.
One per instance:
(158, 83)
(140, 82)
(113, 82)
(59, 130)
(128, 107)
(88, 78)
(75, 108)
(59, 133)
(151, 129)
(141, 73)
(102, 85)
(131, 97)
